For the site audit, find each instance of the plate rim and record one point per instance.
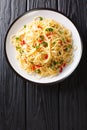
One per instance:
(29, 11)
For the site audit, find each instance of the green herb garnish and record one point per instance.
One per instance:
(24, 26)
(54, 43)
(49, 29)
(55, 62)
(63, 40)
(45, 44)
(18, 47)
(37, 71)
(60, 32)
(17, 38)
(68, 48)
(33, 46)
(36, 46)
(41, 37)
(21, 52)
(41, 18)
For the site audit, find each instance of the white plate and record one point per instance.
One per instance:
(28, 17)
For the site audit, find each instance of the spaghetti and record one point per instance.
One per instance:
(43, 46)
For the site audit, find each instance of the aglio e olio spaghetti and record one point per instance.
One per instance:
(43, 46)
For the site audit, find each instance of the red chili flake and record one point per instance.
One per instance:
(38, 66)
(46, 56)
(23, 42)
(47, 35)
(68, 40)
(40, 40)
(64, 64)
(33, 67)
(60, 42)
(61, 69)
(39, 26)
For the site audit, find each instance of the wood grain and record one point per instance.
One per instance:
(29, 106)
(72, 96)
(41, 4)
(12, 88)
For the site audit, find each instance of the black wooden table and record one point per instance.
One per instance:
(28, 106)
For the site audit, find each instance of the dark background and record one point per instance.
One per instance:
(28, 106)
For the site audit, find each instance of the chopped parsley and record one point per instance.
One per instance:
(41, 18)
(17, 38)
(37, 46)
(54, 43)
(45, 44)
(53, 64)
(18, 47)
(49, 29)
(63, 39)
(37, 71)
(60, 32)
(24, 26)
(41, 37)
(21, 52)
(68, 48)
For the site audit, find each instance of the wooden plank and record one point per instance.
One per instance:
(41, 4)
(72, 96)
(12, 88)
(41, 107)
(73, 100)
(41, 101)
